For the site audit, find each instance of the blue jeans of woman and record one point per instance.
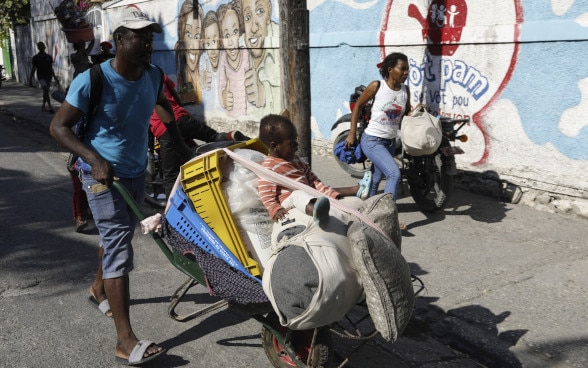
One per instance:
(380, 151)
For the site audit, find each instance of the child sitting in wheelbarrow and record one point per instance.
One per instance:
(279, 134)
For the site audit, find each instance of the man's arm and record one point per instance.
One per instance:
(166, 115)
(53, 74)
(176, 96)
(90, 46)
(33, 70)
(60, 129)
(164, 109)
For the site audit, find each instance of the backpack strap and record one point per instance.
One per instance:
(96, 81)
(96, 76)
(160, 80)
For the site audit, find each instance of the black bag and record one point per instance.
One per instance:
(57, 93)
(71, 162)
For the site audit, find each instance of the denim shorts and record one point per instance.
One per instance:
(45, 83)
(115, 222)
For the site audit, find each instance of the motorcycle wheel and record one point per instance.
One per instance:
(320, 356)
(155, 196)
(435, 189)
(355, 170)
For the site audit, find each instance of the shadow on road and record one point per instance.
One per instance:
(34, 246)
(206, 325)
(477, 207)
(471, 330)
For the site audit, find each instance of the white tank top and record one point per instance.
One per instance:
(387, 111)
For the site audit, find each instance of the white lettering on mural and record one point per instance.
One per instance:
(449, 71)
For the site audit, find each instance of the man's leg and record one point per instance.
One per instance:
(116, 223)
(171, 159)
(97, 287)
(118, 293)
(194, 128)
(46, 96)
(46, 99)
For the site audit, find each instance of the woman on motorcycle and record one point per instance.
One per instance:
(391, 102)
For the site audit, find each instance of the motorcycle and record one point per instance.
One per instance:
(429, 177)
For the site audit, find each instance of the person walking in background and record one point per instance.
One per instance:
(391, 103)
(80, 205)
(114, 148)
(43, 65)
(80, 58)
(81, 63)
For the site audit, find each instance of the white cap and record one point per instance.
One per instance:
(134, 18)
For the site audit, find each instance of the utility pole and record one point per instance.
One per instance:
(295, 56)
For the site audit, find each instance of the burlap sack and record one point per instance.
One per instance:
(310, 280)
(382, 269)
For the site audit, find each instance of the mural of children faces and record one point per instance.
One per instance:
(188, 52)
(256, 18)
(230, 29)
(262, 81)
(211, 41)
(209, 61)
(233, 60)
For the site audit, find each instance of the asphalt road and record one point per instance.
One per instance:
(506, 284)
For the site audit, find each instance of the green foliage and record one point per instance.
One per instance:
(13, 12)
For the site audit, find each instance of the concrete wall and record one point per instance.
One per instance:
(515, 68)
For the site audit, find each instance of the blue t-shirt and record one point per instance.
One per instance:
(119, 129)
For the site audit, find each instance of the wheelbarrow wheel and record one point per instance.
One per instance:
(300, 341)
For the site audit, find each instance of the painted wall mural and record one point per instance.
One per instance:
(527, 99)
(223, 55)
(452, 75)
(515, 68)
(227, 58)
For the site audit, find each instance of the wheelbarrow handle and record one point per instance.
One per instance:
(137, 211)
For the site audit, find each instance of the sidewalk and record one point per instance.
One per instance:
(25, 102)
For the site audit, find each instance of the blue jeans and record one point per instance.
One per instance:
(380, 151)
(115, 222)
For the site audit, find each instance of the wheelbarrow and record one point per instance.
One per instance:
(284, 347)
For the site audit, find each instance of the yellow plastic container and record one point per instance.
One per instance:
(201, 180)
